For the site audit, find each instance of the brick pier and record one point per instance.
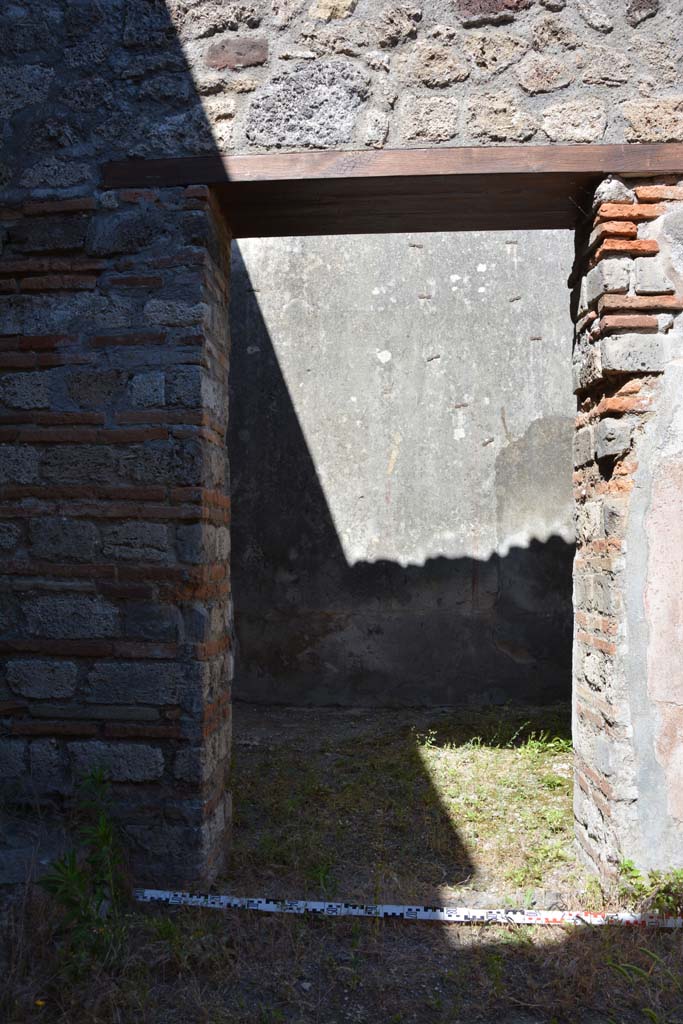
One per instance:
(628, 679)
(115, 624)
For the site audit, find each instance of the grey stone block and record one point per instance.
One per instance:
(595, 15)
(583, 446)
(12, 759)
(201, 542)
(170, 313)
(19, 464)
(25, 391)
(610, 275)
(21, 86)
(147, 390)
(640, 10)
(196, 764)
(47, 768)
(42, 678)
(41, 314)
(613, 190)
(632, 353)
(136, 541)
(145, 620)
(95, 464)
(650, 278)
(148, 682)
(57, 538)
(123, 762)
(586, 363)
(595, 593)
(146, 25)
(124, 232)
(192, 387)
(184, 386)
(195, 227)
(314, 104)
(96, 388)
(614, 514)
(194, 543)
(10, 536)
(45, 234)
(70, 617)
(613, 437)
(588, 519)
(152, 463)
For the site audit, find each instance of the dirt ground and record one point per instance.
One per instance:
(372, 806)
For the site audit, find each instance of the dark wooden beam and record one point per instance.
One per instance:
(485, 188)
(659, 158)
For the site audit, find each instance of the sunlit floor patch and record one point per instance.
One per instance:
(401, 806)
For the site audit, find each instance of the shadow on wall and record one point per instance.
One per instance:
(313, 629)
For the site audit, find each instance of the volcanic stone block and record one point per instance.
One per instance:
(70, 616)
(42, 677)
(312, 105)
(123, 762)
(583, 446)
(123, 232)
(650, 278)
(613, 436)
(56, 538)
(632, 353)
(610, 275)
(136, 541)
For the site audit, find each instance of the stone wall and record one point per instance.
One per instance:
(83, 82)
(115, 616)
(401, 420)
(628, 698)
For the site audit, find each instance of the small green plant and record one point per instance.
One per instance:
(658, 891)
(543, 742)
(320, 874)
(426, 739)
(87, 883)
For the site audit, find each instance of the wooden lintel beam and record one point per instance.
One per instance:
(224, 168)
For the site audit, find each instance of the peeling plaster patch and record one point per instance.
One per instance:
(384, 356)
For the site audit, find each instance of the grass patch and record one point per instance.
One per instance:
(483, 803)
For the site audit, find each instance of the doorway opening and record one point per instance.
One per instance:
(401, 421)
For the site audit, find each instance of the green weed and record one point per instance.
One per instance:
(87, 884)
(658, 891)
